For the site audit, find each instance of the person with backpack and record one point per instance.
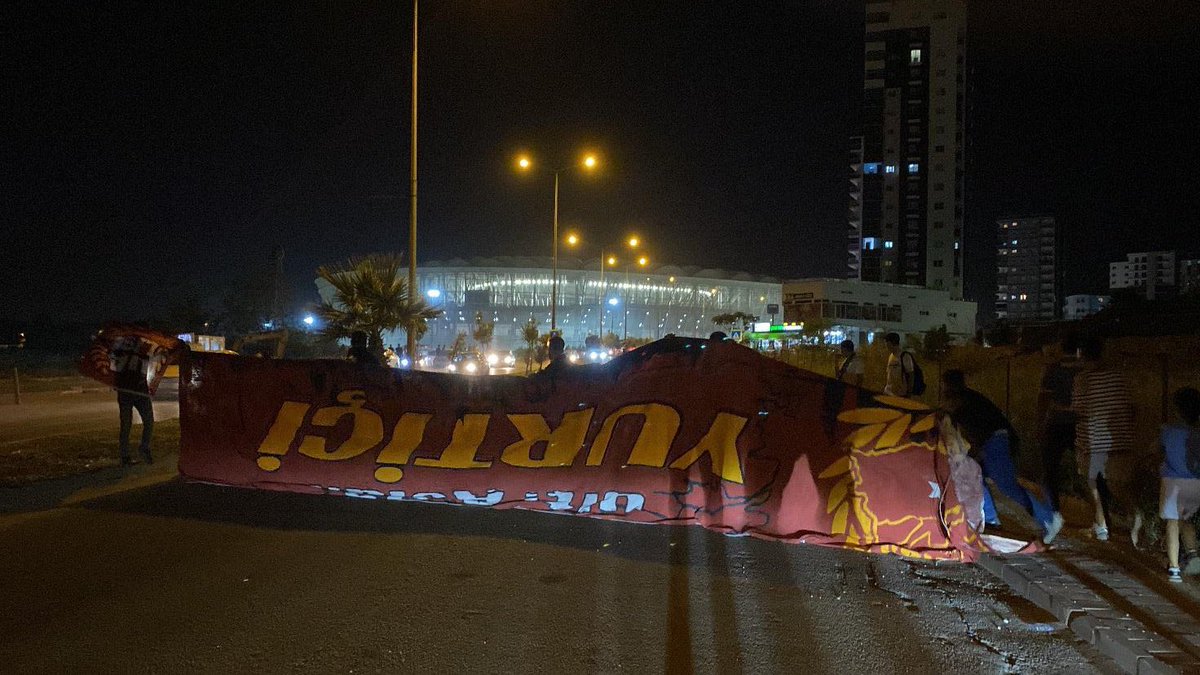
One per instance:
(1179, 497)
(852, 368)
(992, 440)
(904, 376)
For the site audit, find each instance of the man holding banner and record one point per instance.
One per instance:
(132, 359)
(129, 366)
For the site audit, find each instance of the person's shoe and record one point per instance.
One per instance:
(1053, 528)
(1191, 563)
(1101, 533)
(1174, 576)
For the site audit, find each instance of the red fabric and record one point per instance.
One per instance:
(159, 349)
(758, 448)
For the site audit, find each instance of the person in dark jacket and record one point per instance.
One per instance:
(358, 352)
(129, 365)
(991, 437)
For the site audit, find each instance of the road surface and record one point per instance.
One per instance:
(50, 414)
(177, 577)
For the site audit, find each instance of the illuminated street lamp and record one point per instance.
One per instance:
(608, 260)
(524, 163)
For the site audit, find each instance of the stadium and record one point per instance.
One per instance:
(647, 302)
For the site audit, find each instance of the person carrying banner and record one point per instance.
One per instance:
(992, 438)
(129, 367)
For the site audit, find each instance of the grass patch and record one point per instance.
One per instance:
(83, 452)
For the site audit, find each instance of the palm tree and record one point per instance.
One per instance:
(371, 294)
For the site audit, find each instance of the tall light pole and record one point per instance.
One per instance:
(411, 342)
(524, 163)
(610, 261)
(642, 261)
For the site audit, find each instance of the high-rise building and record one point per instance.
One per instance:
(906, 201)
(1027, 287)
(1150, 272)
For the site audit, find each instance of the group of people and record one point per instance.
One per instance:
(1084, 407)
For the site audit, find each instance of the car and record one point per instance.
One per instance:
(501, 359)
(470, 363)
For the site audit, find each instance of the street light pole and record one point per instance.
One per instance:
(411, 342)
(554, 279)
(600, 294)
(625, 329)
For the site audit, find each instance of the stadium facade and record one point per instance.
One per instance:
(639, 303)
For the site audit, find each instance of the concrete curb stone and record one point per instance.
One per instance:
(1121, 637)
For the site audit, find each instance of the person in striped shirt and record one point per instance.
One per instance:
(1103, 407)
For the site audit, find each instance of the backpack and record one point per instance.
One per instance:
(917, 385)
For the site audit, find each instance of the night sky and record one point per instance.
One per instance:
(156, 152)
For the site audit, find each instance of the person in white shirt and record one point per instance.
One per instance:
(852, 368)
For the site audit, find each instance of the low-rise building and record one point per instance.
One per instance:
(1149, 272)
(1189, 276)
(1079, 306)
(865, 310)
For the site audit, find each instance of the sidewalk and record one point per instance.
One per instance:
(1115, 597)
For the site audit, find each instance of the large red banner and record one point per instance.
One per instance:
(121, 352)
(681, 431)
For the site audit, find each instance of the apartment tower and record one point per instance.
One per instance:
(906, 205)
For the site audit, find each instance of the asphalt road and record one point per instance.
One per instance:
(49, 414)
(174, 577)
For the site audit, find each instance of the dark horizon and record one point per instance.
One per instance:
(162, 153)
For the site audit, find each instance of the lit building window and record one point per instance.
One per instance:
(956, 245)
(890, 168)
(914, 57)
(869, 243)
(1024, 296)
(889, 244)
(913, 167)
(871, 168)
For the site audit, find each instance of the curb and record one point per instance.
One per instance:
(1100, 617)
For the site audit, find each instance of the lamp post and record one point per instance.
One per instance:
(608, 260)
(642, 262)
(411, 337)
(524, 163)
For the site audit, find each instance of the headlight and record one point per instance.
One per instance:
(573, 358)
(510, 360)
(594, 356)
(404, 363)
(493, 359)
(452, 367)
(471, 367)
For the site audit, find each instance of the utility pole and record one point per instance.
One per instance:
(411, 343)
